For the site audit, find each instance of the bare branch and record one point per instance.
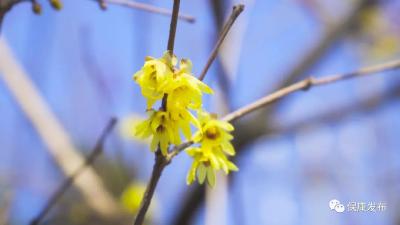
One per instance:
(149, 8)
(172, 26)
(71, 178)
(160, 160)
(365, 105)
(237, 9)
(307, 84)
(158, 168)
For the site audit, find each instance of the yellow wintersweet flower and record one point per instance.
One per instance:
(162, 129)
(205, 162)
(214, 133)
(214, 139)
(185, 91)
(182, 120)
(154, 77)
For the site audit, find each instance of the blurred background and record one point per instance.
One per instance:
(339, 141)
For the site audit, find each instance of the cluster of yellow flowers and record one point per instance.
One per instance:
(180, 91)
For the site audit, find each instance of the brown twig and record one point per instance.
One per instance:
(148, 8)
(237, 9)
(172, 26)
(158, 168)
(160, 160)
(70, 179)
(5, 6)
(339, 113)
(305, 84)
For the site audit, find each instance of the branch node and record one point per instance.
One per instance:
(308, 83)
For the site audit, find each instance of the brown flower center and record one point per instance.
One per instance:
(212, 133)
(160, 129)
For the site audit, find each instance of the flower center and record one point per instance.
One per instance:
(212, 133)
(160, 129)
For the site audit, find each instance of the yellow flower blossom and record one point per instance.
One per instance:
(154, 77)
(205, 162)
(159, 78)
(162, 129)
(185, 91)
(214, 139)
(214, 132)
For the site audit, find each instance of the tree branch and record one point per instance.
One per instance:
(172, 26)
(307, 84)
(148, 8)
(366, 105)
(253, 128)
(158, 168)
(160, 160)
(303, 85)
(237, 9)
(97, 150)
(55, 138)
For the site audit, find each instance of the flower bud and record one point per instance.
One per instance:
(36, 8)
(56, 4)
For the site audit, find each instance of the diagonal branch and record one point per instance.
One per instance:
(303, 85)
(89, 160)
(53, 134)
(307, 84)
(366, 105)
(237, 10)
(148, 8)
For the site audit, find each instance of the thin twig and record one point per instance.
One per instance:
(305, 84)
(172, 26)
(70, 179)
(158, 168)
(160, 160)
(237, 9)
(149, 8)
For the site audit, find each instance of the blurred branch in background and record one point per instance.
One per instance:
(53, 134)
(6, 200)
(254, 127)
(365, 105)
(307, 84)
(7, 5)
(218, 10)
(145, 7)
(317, 10)
(89, 160)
